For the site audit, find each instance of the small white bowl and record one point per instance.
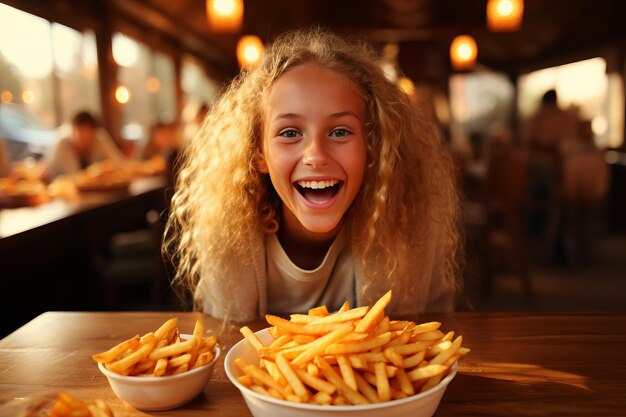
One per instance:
(155, 393)
(420, 405)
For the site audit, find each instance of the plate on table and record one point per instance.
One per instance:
(22, 193)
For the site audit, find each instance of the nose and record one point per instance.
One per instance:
(315, 154)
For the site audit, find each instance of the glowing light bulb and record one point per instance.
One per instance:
(28, 96)
(504, 15)
(122, 94)
(224, 16)
(249, 50)
(463, 52)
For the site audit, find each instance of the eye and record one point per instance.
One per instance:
(340, 132)
(289, 133)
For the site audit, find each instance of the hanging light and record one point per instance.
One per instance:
(249, 50)
(224, 16)
(463, 52)
(504, 15)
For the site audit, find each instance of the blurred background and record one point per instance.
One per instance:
(529, 97)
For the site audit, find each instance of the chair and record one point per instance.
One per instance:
(582, 190)
(134, 274)
(497, 218)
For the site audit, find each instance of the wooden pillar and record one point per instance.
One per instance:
(514, 118)
(622, 71)
(180, 93)
(111, 110)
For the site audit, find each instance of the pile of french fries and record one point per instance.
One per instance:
(354, 356)
(68, 406)
(160, 353)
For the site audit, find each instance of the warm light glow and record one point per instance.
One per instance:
(588, 88)
(28, 97)
(122, 94)
(67, 43)
(249, 50)
(463, 52)
(6, 96)
(406, 85)
(599, 125)
(224, 16)
(125, 50)
(504, 15)
(579, 84)
(224, 7)
(533, 375)
(153, 84)
(28, 51)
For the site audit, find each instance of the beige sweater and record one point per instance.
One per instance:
(240, 293)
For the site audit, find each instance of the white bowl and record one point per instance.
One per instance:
(420, 405)
(155, 393)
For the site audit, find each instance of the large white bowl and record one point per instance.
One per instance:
(420, 405)
(155, 393)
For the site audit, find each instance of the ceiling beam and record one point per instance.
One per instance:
(151, 17)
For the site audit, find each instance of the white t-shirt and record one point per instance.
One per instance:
(291, 289)
(63, 158)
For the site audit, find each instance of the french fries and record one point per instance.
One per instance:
(353, 356)
(68, 406)
(160, 353)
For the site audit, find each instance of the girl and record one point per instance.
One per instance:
(312, 181)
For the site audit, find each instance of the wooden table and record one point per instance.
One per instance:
(48, 253)
(520, 364)
(16, 222)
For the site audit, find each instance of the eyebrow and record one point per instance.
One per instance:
(334, 115)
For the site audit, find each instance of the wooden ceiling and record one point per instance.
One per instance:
(552, 30)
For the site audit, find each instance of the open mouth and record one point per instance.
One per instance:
(318, 192)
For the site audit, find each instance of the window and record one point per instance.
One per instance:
(76, 69)
(149, 78)
(197, 87)
(47, 72)
(481, 106)
(583, 87)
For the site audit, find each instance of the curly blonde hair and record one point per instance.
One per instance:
(408, 189)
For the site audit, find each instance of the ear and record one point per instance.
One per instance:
(261, 163)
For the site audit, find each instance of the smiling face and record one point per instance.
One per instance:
(314, 149)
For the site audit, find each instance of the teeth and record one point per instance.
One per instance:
(317, 185)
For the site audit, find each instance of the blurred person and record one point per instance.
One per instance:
(162, 141)
(544, 135)
(194, 125)
(584, 183)
(160, 149)
(87, 143)
(551, 125)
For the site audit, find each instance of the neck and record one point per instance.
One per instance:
(305, 248)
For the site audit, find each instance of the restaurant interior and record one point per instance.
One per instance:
(149, 70)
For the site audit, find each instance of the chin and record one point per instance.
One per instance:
(322, 227)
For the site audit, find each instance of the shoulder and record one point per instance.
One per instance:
(61, 146)
(235, 286)
(103, 136)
